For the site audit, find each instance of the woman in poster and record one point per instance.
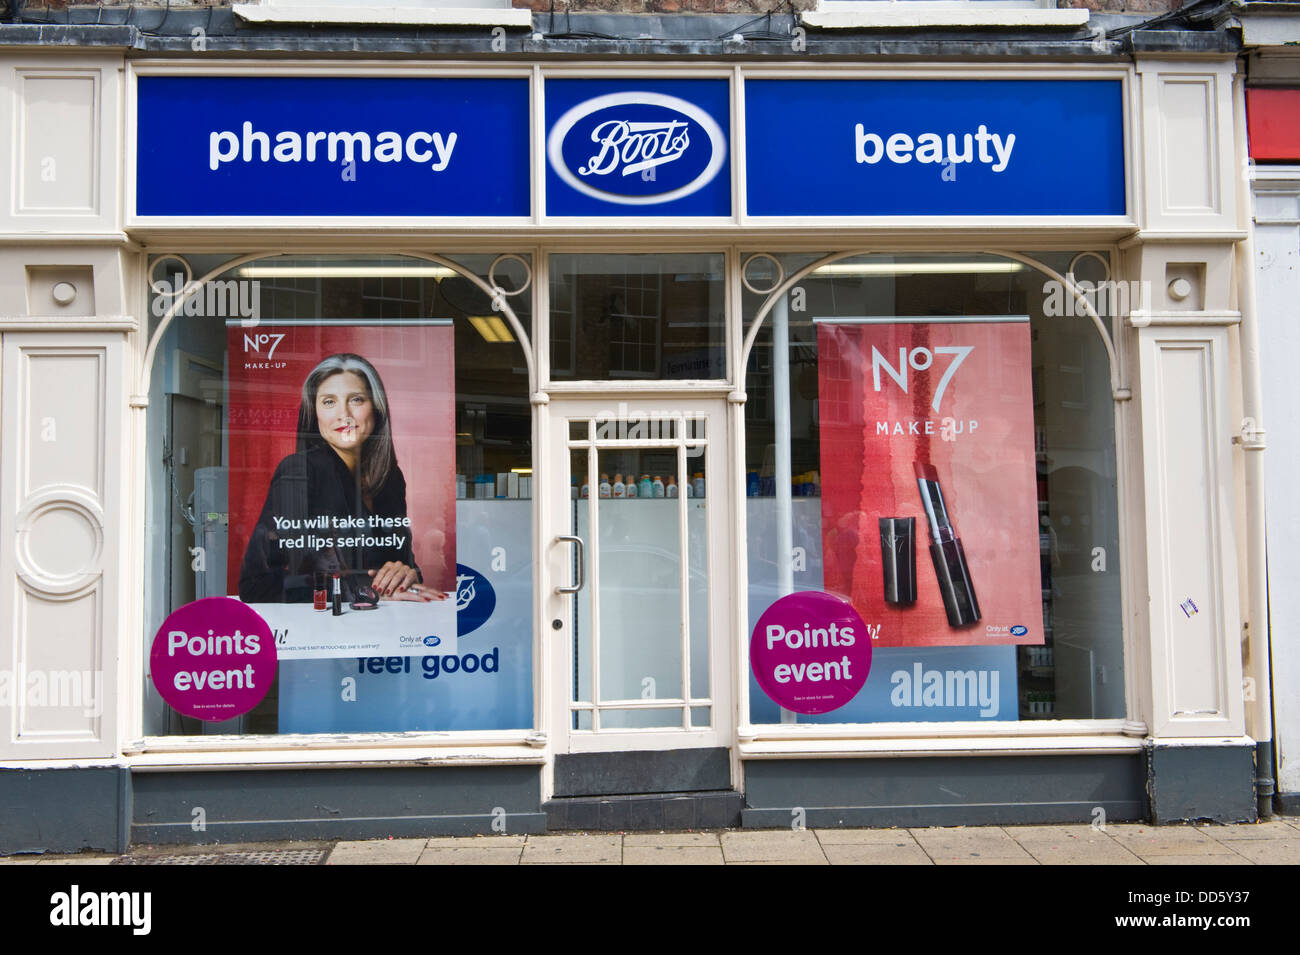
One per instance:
(338, 504)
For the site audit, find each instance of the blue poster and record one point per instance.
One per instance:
(331, 146)
(638, 148)
(934, 147)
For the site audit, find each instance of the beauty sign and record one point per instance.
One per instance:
(810, 652)
(213, 659)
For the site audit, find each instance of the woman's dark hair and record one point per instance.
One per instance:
(377, 459)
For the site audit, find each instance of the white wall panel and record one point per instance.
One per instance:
(60, 534)
(1194, 612)
(1186, 136)
(57, 133)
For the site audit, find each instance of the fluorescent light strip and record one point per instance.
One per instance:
(344, 271)
(917, 268)
(326, 322)
(914, 319)
(492, 328)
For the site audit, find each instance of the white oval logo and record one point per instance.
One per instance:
(616, 148)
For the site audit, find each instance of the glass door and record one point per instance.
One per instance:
(640, 581)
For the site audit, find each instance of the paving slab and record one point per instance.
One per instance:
(987, 844)
(672, 855)
(801, 861)
(1171, 859)
(865, 837)
(472, 855)
(579, 849)
(867, 853)
(1151, 842)
(377, 852)
(1281, 852)
(1247, 831)
(1072, 845)
(774, 845)
(643, 839)
(77, 860)
(465, 842)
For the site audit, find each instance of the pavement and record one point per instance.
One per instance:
(1276, 842)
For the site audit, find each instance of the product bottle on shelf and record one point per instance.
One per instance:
(605, 490)
(618, 487)
(644, 488)
(697, 484)
(671, 489)
(630, 489)
(657, 487)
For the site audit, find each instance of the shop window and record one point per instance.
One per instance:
(931, 399)
(649, 316)
(417, 507)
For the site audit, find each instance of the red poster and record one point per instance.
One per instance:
(929, 489)
(366, 487)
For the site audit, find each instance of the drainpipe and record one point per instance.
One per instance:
(1255, 645)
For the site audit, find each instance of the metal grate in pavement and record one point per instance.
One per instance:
(265, 857)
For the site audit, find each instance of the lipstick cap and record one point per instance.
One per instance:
(898, 558)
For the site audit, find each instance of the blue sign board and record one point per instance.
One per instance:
(638, 148)
(332, 146)
(934, 147)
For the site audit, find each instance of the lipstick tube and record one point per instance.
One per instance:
(946, 551)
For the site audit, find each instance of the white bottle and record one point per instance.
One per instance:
(604, 490)
(618, 487)
(671, 489)
(657, 487)
(629, 489)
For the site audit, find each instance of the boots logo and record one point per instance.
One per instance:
(636, 148)
(475, 599)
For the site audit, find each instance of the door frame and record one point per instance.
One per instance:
(556, 568)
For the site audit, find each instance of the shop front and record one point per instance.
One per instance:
(661, 445)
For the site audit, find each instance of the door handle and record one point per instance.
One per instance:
(582, 561)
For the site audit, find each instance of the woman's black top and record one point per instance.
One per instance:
(308, 486)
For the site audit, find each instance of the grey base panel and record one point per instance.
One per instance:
(640, 772)
(1287, 803)
(64, 810)
(643, 813)
(264, 805)
(944, 791)
(1203, 782)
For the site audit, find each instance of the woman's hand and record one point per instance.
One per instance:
(397, 581)
(393, 578)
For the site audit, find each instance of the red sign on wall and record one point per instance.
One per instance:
(1273, 122)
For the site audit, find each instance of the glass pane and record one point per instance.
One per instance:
(1077, 672)
(665, 718)
(638, 316)
(638, 559)
(701, 717)
(580, 527)
(698, 553)
(450, 387)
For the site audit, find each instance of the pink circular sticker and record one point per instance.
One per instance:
(213, 659)
(810, 652)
